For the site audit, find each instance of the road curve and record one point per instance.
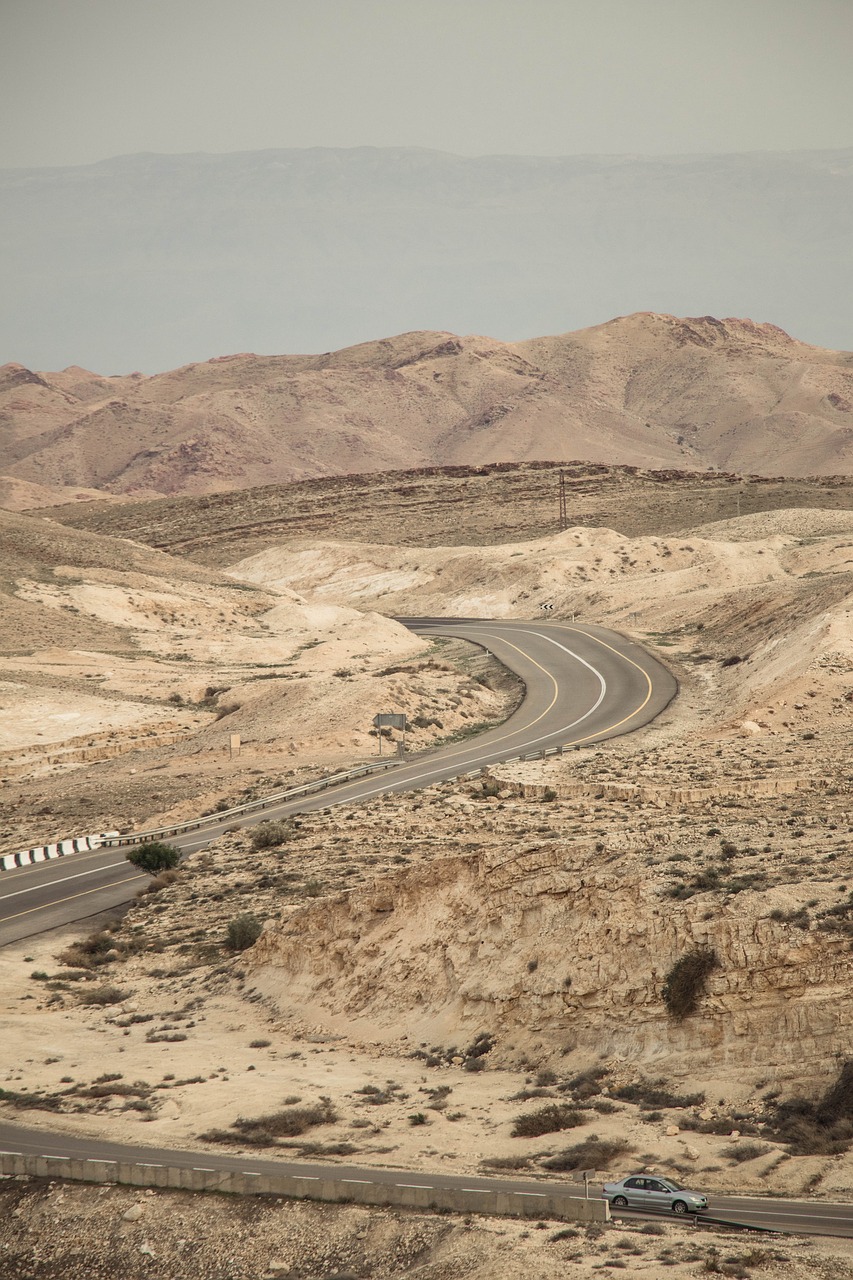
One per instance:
(583, 684)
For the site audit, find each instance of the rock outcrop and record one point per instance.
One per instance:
(554, 947)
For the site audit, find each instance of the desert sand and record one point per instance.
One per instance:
(746, 779)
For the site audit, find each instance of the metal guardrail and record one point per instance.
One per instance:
(307, 788)
(251, 806)
(115, 840)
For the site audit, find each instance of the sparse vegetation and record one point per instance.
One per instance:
(822, 1128)
(740, 1152)
(593, 1153)
(243, 932)
(549, 1119)
(102, 996)
(90, 953)
(652, 1094)
(268, 1130)
(687, 980)
(270, 835)
(154, 856)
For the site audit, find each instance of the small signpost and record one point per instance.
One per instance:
(391, 720)
(233, 744)
(584, 1175)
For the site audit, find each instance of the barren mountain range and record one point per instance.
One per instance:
(646, 389)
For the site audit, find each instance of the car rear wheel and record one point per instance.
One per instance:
(678, 1206)
(619, 1202)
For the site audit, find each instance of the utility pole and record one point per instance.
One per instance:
(564, 512)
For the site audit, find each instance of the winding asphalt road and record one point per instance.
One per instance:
(584, 684)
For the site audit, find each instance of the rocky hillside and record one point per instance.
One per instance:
(646, 390)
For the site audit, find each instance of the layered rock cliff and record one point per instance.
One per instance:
(560, 946)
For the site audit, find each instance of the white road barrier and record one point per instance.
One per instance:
(46, 852)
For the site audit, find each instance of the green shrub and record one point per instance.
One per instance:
(268, 835)
(242, 932)
(686, 981)
(153, 857)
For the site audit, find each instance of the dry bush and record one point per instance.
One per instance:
(88, 953)
(549, 1119)
(587, 1084)
(653, 1094)
(103, 996)
(114, 1089)
(686, 981)
(740, 1152)
(592, 1153)
(822, 1128)
(269, 835)
(264, 1131)
(159, 882)
(227, 709)
(506, 1162)
(242, 932)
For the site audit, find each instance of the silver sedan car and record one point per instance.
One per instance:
(641, 1191)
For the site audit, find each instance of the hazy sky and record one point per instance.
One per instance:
(82, 80)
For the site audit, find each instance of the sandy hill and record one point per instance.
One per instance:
(109, 649)
(647, 390)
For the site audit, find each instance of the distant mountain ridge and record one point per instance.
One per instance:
(647, 390)
(149, 261)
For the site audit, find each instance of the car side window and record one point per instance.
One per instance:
(634, 1183)
(656, 1186)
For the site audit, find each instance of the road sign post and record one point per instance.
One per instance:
(390, 720)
